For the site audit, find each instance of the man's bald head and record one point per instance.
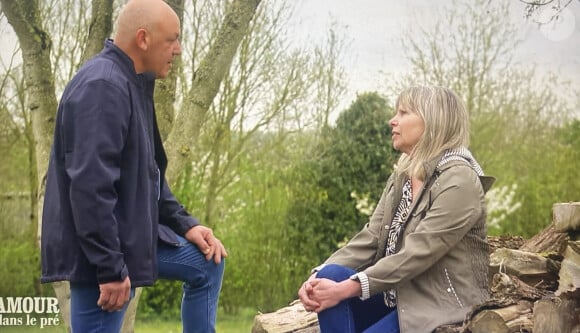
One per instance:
(137, 14)
(148, 31)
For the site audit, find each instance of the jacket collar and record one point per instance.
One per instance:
(123, 60)
(432, 171)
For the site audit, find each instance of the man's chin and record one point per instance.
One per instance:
(161, 75)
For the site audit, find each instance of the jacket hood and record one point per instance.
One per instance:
(461, 154)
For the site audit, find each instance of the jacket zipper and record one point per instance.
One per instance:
(451, 288)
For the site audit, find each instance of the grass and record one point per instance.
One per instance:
(239, 323)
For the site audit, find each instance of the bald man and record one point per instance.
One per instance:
(110, 221)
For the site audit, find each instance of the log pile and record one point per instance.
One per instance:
(535, 286)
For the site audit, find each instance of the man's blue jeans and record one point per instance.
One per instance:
(353, 315)
(87, 317)
(202, 282)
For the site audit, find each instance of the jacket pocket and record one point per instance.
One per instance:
(450, 289)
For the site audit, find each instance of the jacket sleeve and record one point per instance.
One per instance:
(455, 206)
(95, 123)
(361, 250)
(173, 214)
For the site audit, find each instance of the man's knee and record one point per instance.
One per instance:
(208, 275)
(218, 272)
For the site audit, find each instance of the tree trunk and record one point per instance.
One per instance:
(205, 85)
(100, 28)
(165, 89)
(131, 313)
(35, 43)
(62, 293)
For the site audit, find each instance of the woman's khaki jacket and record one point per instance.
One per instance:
(441, 268)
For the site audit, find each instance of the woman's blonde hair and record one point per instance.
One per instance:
(446, 125)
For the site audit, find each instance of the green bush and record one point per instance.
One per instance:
(161, 301)
(20, 268)
(352, 162)
(545, 172)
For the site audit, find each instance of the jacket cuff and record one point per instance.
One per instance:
(106, 277)
(185, 225)
(364, 284)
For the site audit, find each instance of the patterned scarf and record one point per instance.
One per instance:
(395, 231)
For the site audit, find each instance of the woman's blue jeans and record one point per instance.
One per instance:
(202, 282)
(353, 315)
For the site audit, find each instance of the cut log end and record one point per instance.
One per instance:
(566, 216)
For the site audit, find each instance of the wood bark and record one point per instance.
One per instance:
(509, 319)
(555, 315)
(100, 27)
(205, 85)
(507, 242)
(488, 321)
(293, 318)
(570, 270)
(530, 267)
(131, 313)
(546, 241)
(62, 293)
(509, 288)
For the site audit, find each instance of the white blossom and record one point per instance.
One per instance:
(363, 204)
(500, 204)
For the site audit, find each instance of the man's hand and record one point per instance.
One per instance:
(114, 295)
(207, 243)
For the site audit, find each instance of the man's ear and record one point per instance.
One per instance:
(142, 38)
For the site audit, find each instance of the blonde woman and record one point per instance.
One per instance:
(421, 261)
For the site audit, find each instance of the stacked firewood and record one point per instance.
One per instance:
(535, 286)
